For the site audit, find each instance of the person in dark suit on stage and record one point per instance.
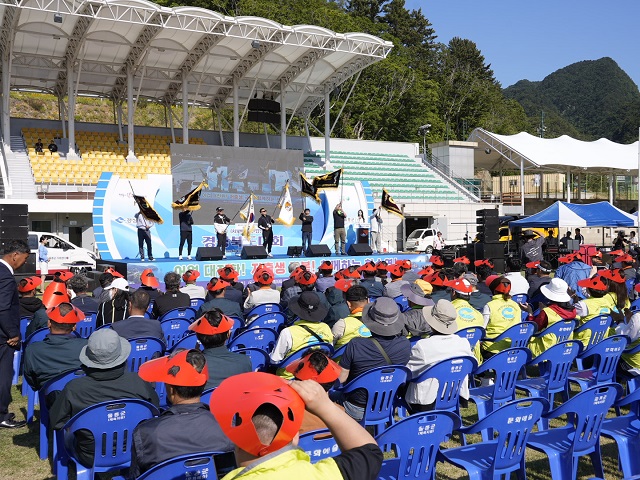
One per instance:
(15, 255)
(265, 223)
(307, 229)
(186, 232)
(221, 223)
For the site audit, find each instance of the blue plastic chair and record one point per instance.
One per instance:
(273, 320)
(143, 349)
(473, 334)
(259, 358)
(86, 326)
(180, 313)
(318, 444)
(196, 303)
(111, 424)
(450, 374)
(599, 327)
(325, 347)
(519, 334)
(520, 298)
(606, 356)
(17, 355)
(262, 309)
(556, 364)
(499, 456)
(381, 384)
(205, 397)
(186, 467)
(261, 338)
(27, 390)
(149, 309)
(563, 330)
(174, 329)
(581, 436)
(416, 441)
(625, 431)
(238, 326)
(633, 381)
(189, 341)
(53, 385)
(402, 302)
(338, 352)
(507, 366)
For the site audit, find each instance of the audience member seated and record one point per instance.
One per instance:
(437, 263)
(461, 292)
(316, 366)
(107, 378)
(519, 285)
(59, 352)
(418, 296)
(617, 288)
(542, 275)
(484, 269)
(439, 281)
(338, 305)
(266, 440)
(194, 291)
(99, 293)
(386, 346)
(217, 288)
(79, 284)
(408, 274)
(116, 308)
(294, 269)
(350, 327)
(305, 282)
(230, 275)
(39, 146)
(30, 305)
(251, 287)
(186, 426)
(150, 283)
(305, 331)
(573, 270)
(629, 364)
(213, 330)
(393, 289)
(558, 307)
(460, 268)
(443, 343)
(137, 325)
(265, 294)
(325, 276)
(597, 263)
(381, 266)
(172, 298)
(499, 314)
(53, 147)
(370, 281)
(478, 299)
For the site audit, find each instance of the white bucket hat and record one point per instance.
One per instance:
(556, 290)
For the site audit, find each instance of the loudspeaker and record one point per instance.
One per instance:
(209, 253)
(488, 225)
(12, 210)
(29, 268)
(318, 251)
(253, 251)
(359, 249)
(294, 251)
(14, 221)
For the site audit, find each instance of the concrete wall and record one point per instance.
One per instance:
(458, 156)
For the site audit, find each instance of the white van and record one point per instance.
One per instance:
(63, 255)
(421, 240)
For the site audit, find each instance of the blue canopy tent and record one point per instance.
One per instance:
(562, 214)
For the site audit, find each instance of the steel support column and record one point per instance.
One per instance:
(283, 117)
(327, 127)
(71, 111)
(236, 117)
(131, 155)
(6, 106)
(185, 113)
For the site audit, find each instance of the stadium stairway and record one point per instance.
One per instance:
(22, 183)
(403, 177)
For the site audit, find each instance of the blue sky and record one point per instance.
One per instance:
(530, 39)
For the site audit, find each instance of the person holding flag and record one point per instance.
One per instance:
(265, 223)
(221, 223)
(339, 233)
(143, 224)
(247, 213)
(376, 230)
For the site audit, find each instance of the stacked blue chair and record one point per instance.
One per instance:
(473, 334)
(187, 342)
(562, 330)
(555, 365)
(196, 303)
(184, 313)
(262, 309)
(262, 338)
(174, 329)
(519, 334)
(625, 431)
(273, 320)
(111, 424)
(494, 458)
(187, 467)
(259, 358)
(381, 384)
(143, 349)
(86, 326)
(318, 444)
(606, 356)
(238, 326)
(581, 436)
(416, 442)
(507, 366)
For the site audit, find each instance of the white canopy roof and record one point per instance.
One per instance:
(560, 153)
(101, 39)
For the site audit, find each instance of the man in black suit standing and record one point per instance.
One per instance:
(15, 255)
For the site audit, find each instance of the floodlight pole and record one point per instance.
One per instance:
(71, 112)
(185, 112)
(131, 156)
(236, 117)
(283, 117)
(327, 126)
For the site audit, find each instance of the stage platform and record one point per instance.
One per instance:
(133, 268)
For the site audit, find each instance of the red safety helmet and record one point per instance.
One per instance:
(460, 285)
(74, 316)
(28, 284)
(217, 284)
(436, 260)
(54, 294)
(263, 276)
(203, 326)
(306, 278)
(326, 266)
(228, 273)
(593, 283)
(190, 275)
(148, 279)
(114, 272)
(343, 284)
(303, 370)
(462, 259)
(614, 275)
(174, 370)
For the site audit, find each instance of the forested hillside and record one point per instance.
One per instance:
(588, 100)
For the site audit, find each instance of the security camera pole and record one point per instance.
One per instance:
(424, 131)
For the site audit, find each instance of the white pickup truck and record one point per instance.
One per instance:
(63, 255)
(421, 240)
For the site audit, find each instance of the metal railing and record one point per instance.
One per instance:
(434, 162)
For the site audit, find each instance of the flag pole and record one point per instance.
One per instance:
(286, 185)
(241, 207)
(341, 181)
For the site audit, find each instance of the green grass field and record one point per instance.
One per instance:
(20, 453)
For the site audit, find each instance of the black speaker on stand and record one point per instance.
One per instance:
(209, 253)
(359, 249)
(251, 252)
(318, 251)
(294, 251)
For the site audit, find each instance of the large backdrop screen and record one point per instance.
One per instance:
(232, 174)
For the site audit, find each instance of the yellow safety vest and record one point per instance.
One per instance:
(291, 464)
(353, 327)
(538, 345)
(503, 314)
(301, 338)
(469, 317)
(595, 307)
(632, 360)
